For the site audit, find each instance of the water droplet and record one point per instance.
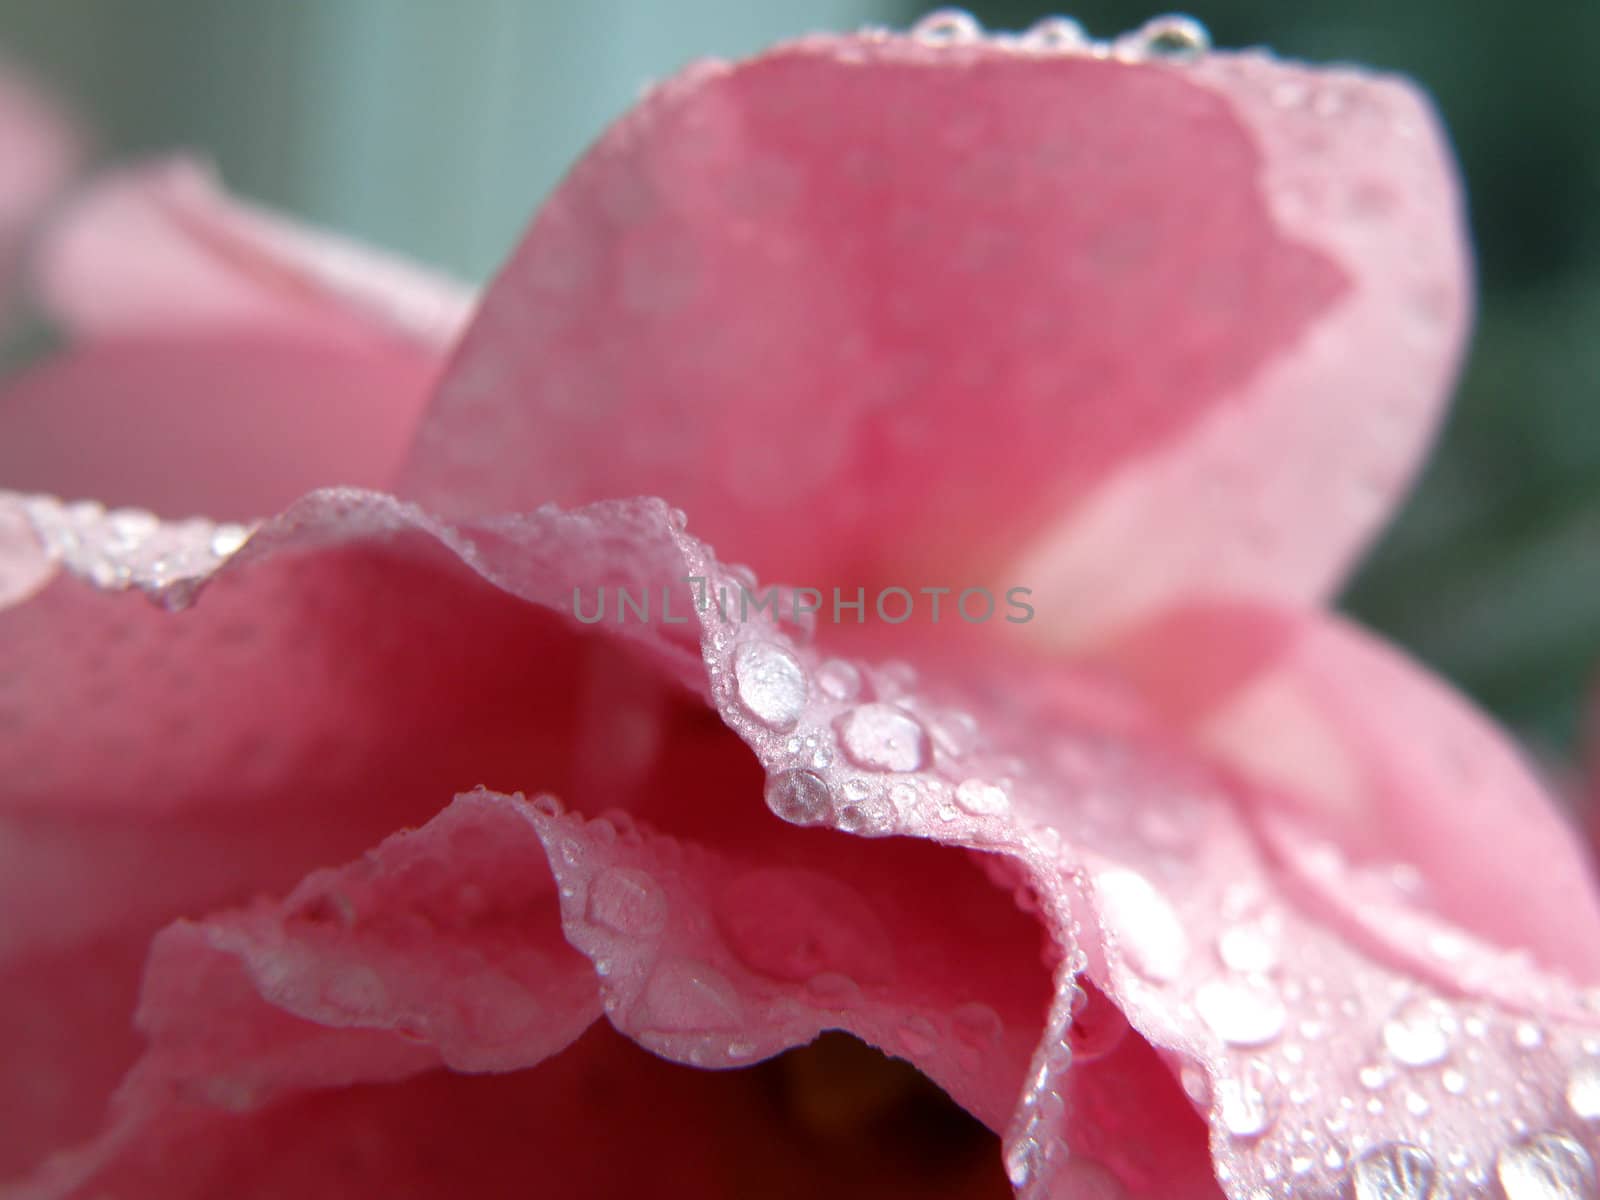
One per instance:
(627, 901)
(839, 680)
(1239, 1013)
(919, 1036)
(871, 816)
(977, 1025)
(980, 798)
(1055, 33)
(1453, 1081)
(684, 996)
(1098, 1027)
(1547, 1166)
(1415, 1035)
(834, 989)
(1417, 1105)
(1373, 1076)
(1394, 1171)
(883, 738)
(1247, 948)
(1176, 37)
(1583, 1091)
(1143, 924)
(1247, 1103)
(947, 26)
(771, 682)
(799, 797)
(227, 538)
(1527, 1035)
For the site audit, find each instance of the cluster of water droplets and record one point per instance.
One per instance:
(1449, 1097)
(124, 548)
(1174, 37)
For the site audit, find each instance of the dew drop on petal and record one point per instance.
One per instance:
(1394, 1171)
(1247, 1103)
(771, 683)
(227, 538)
(1415, 1035)
(980, 798)
(1143, 922)
(1546, 1166)
(627, 901)
(1175, 37)
(1241, 1014)
(947, 26)
(882, 738)
(873, 815)
(799, 797)
(1583, 1091)
(1247, 949)
(684, 996)
(1055, 33)
(833, 989)
(977, 1025)
(839, 680)
(919, 1036)
(1527, 1035)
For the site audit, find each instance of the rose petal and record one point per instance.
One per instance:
(232, 425)
(1420, 795)
(1304, 1046)
(138, 786)
(724, 954)
(1310, 1051)
(161, 249)
(753, 302)
(558, 1129)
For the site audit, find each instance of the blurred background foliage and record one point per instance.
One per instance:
(436, 128)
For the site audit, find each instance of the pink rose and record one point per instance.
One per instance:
(1184, 886)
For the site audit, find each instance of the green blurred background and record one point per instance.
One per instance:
(435, 128)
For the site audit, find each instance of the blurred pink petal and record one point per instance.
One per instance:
(1417, 803)
(161, 250)
(233, 425)
(224, 362)
(1009, 325)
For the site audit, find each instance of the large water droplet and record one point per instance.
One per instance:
(1395, 1171)
(947, 26)
(628, 901)
(685, 996)
(1415, 1035)
(771, 683)
(1583, 1090)
(1547, 1166)
(1173, 37)
(1143, 923)
(1055, 33)
(799, 797)
(883, 738)
(1241, 1014)
(1247, 1103)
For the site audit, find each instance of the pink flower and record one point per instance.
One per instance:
(1185, 887)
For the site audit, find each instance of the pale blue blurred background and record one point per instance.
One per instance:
(435, 127)
(425, 125)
